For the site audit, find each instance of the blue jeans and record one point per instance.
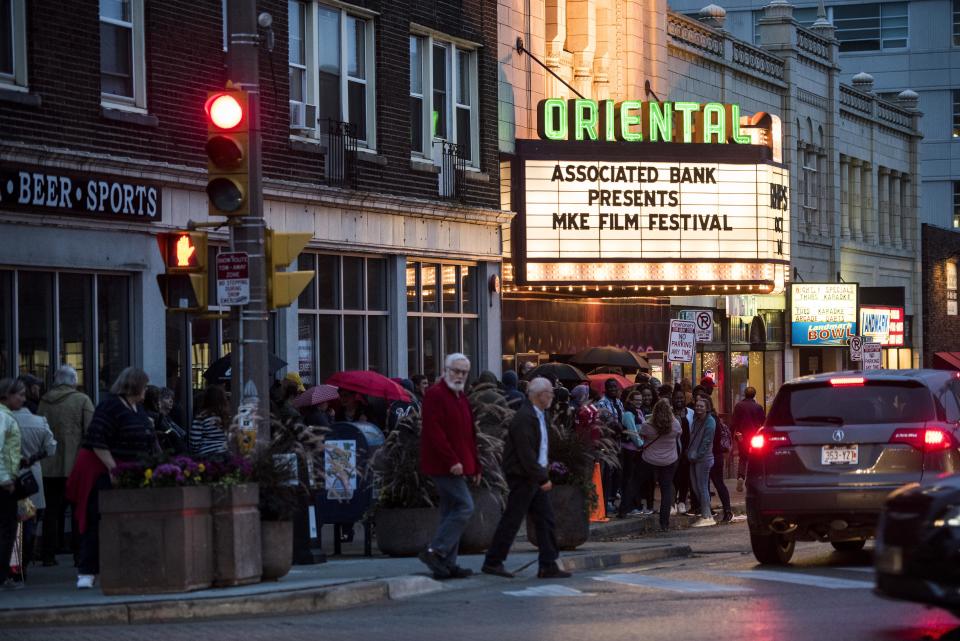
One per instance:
(456, 508)
(700, 482)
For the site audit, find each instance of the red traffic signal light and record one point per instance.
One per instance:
(228, 159)
(225, 110)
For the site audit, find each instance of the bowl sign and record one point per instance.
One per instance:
(233, 279)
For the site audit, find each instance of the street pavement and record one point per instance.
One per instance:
(718, 593)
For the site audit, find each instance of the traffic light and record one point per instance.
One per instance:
(184, 285)
(228, 152)
(282, 249)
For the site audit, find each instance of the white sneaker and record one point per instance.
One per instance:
(738, 518)
(704, 522)
(85, 581)
(681, 508)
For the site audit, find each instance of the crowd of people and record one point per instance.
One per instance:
(666, 437)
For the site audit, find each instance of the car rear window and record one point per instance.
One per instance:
(874, 402)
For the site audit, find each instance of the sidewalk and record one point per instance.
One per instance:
(51, 597)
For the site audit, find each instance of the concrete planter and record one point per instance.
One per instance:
(276, 538)
(570, 511)
(486, 515)
(236, 534)
(407, 531)
(156, 540)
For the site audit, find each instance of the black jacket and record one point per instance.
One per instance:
(522, 447)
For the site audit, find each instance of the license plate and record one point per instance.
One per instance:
(840, 454)
(890, 560)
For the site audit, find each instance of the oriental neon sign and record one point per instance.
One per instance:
(637, 121)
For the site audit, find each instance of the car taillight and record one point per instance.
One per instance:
(764, 440)
(847, 381)
(930, 440)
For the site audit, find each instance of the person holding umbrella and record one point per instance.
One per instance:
(314, 404)
(448, 454)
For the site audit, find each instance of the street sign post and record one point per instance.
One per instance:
(856, 348)
(233, 279)
(703, 320)
(682, 341)
(872, 356)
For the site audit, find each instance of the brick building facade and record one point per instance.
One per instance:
(406, 225)
(941, 323)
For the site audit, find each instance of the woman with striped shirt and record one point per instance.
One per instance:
(208, 433)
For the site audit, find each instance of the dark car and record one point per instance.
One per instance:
(917, 557)
(834, 446)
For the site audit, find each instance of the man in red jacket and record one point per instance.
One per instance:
(448, 454)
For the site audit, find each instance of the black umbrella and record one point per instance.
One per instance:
(606, 369)
(221, 369)
(610, 356)
(563, 372)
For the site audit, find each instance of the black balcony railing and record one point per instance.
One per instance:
(341, 167)
(453, 166)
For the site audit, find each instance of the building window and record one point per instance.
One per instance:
(442, 315)
(298, 62)
(225, 24)
(871, 27)
(809, 187)
(956, 203)
(956, 114)
(338, 64)
(122, 62)
(343, 319)
(956, 23)
(13, 44)
(443, 98)
(81, 319)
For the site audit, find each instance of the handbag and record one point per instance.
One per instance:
(25, 484)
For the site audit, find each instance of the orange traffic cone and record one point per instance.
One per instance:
(599, 514)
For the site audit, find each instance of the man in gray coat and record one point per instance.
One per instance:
(68, 411)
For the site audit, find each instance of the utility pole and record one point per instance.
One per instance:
(250, 322)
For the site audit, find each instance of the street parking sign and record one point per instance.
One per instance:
(872, 356)
(682, 341)
(856, 348)
(233, 278)
(703, 322)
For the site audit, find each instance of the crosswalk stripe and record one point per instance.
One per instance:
(547, 591)
(659, 583)
(865, 570)
(802, 579)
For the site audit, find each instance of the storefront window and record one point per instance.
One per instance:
(443, 326)
(36, 318)
(343, 316)
(773, 376)
(739, 373)
(6, 325)
(76, 341)
(202, 335)
(49, 319)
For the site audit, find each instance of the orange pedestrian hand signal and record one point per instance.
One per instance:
(185, 251)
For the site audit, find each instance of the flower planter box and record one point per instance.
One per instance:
(236, 534)
(156, 540)
(276, 548)
(570, 511)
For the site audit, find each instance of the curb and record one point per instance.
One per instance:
(303, 601)
(640, 525)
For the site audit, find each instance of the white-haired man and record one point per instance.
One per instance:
(448, 454)
(525, 460)
(68, 411)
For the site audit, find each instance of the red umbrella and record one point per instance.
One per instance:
(370, 383)
(316, 395)
(597, 381)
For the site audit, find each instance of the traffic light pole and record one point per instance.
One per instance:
(251, 321)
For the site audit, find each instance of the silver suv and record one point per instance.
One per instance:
(835, 445)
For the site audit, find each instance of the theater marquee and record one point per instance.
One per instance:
(658, 215)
